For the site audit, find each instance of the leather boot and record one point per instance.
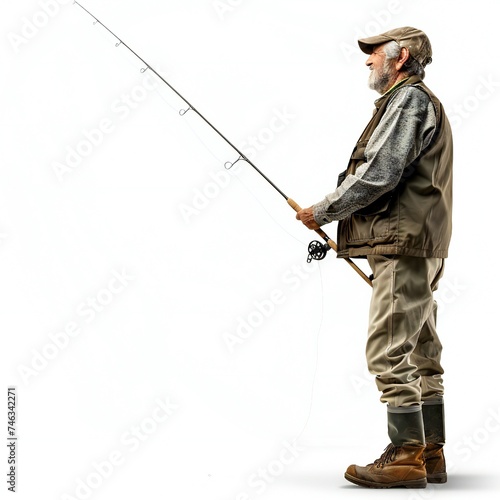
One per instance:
(435, 463)
(402, 463)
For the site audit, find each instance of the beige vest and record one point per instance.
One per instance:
(415, 218)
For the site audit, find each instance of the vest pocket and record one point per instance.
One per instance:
(370, 230)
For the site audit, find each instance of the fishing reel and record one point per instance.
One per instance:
(317, 250)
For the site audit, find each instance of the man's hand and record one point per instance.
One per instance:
(306, 216)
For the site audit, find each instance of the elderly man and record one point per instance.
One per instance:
(393, 204)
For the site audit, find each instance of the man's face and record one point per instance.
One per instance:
(382, 71)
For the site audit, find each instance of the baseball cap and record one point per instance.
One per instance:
(414, 40)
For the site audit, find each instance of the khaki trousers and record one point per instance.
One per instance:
(403, 349)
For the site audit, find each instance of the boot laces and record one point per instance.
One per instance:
(388, 456)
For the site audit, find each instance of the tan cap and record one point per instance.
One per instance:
(414, 40)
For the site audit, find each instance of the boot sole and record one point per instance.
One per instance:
(438, 478)
(416, 483)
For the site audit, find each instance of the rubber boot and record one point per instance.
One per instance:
(435, 463)
(402, 463)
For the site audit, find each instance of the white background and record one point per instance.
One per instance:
(205, 255)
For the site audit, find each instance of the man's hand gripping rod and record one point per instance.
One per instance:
(317, 250)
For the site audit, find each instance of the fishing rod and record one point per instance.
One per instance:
(316, 249)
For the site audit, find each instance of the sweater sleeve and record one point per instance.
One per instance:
(405, 129)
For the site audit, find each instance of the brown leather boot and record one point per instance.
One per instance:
(402, 463)
(398, 466)
(435, 463)
(433, 414)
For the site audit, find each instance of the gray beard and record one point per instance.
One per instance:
(379, 80)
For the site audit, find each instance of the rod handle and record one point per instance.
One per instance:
(294, 204)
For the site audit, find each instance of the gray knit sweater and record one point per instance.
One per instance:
(404, 131)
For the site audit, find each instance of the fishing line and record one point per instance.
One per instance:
(316, 362)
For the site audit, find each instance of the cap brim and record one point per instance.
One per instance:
(367, 44)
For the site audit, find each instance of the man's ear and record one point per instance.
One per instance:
(404, 55)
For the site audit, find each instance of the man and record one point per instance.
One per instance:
(393, 204)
